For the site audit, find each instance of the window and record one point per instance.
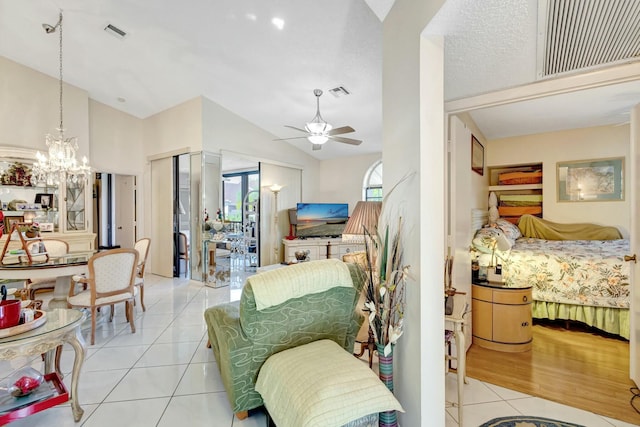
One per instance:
(235, 188)
(373, 183)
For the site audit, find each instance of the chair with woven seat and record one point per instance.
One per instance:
(55, 248)
(142, 246)
(110, 280)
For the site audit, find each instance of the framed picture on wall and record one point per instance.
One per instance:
(477, 156)
(598, 180)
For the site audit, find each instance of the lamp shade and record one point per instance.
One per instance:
(365, 216)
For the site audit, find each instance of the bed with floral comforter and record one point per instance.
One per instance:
(583, 280)
(577, 271)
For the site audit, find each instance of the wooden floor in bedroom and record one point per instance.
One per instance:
(576, 367)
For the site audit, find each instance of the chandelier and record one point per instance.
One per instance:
(60, 164)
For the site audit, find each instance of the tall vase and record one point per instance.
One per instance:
(385, 366)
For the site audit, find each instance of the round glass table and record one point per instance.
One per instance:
(61, 326)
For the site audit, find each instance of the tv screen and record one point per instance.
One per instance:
(321, 219)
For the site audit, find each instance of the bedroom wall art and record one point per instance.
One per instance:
(477, 156)
(597, 180)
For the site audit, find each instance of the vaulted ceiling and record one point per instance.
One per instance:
(262, 59)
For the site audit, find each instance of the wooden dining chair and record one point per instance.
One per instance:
(183, 250)
(110, 280)
(55, 248)
(142, 246)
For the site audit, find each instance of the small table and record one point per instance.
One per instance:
(62, 326)
(62, 268)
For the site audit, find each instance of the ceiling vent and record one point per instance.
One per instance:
(339, 91)
(574, 35)
(115, 31)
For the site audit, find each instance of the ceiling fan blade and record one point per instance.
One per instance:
(295, 137)
(346, 140)
(293, 127)
(341, 130)
(316, 147)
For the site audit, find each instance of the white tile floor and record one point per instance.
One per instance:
(163, 375)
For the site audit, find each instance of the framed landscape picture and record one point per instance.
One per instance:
(598, 180)
(477, 156)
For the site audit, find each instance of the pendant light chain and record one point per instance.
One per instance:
(60, 164)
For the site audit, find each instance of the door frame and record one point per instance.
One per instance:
(614, 75)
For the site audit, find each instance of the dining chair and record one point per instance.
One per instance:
(55, 248)
(183, 250)
(110, 280)
(142, 246)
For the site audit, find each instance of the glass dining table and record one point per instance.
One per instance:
(62, 268)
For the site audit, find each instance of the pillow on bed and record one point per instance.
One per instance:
(510, 230)
(488, 239)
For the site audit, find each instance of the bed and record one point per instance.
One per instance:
(577, 271)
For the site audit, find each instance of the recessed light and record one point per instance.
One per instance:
(278, 22)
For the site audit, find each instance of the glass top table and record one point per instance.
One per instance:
(55, 320)
(61, 326)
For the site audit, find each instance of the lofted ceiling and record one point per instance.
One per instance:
(234, 54)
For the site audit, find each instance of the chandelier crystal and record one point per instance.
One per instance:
(61, 163)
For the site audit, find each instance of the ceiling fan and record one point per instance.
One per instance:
(319, 131)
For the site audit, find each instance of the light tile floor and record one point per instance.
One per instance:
(163, 375)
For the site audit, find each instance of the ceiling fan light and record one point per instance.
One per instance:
(318, 127)
(317, 139)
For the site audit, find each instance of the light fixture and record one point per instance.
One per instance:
(275, 188)
(363, 219)
(61, 163)
(318, 127)
(278, 23)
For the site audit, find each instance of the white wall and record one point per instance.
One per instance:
(341, 180)
(413, 141)
(117, 140)
(578, 144)
(224, 130)
(29, 108)
(177, 127)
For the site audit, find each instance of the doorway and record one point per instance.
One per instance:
(115, 210)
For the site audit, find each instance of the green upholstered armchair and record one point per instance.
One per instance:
(278, 310)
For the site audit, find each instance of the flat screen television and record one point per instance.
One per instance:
(321, 219)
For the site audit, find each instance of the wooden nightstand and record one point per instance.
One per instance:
(501, 317)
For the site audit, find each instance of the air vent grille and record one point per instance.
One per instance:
(339, 91)
(115, 31)
(580, 34)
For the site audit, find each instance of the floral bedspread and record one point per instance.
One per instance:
(583, 272)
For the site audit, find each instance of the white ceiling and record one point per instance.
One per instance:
(231, 53)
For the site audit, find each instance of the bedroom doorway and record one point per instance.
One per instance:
(466, 107)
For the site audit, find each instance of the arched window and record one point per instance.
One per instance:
(372, 190)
